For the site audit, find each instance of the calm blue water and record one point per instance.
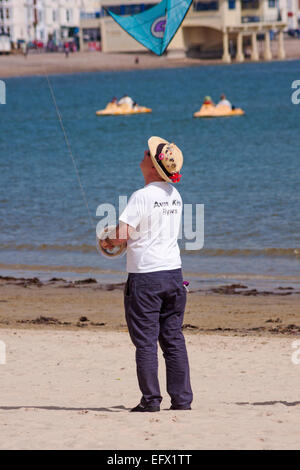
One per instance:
(245, 170)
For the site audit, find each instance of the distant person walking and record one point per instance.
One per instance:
(24, 49)
(67, 49)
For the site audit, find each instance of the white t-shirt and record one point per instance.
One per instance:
(126, 100)
(154, 212)
(224, 103)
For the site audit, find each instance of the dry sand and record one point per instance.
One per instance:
(67, 390)
(41, 63)
(56, 63)
(69, 384)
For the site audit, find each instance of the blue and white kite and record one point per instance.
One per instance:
(155, 27)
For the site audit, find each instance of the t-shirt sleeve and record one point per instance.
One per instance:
(134, 210)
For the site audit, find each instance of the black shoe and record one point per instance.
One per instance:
(142, 408)
(173, 407)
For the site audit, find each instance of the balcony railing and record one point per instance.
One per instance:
(261, 18)
(90, 16)
(251, 19)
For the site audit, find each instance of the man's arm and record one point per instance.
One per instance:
(121, 237)
(128, 221)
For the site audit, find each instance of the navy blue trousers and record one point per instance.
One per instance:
(154, 308)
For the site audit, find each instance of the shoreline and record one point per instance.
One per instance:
(40, 64)
(233, 309)
(199, 280)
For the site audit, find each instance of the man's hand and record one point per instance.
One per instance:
(107, 244)
(117, 238)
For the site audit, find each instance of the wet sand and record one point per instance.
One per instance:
(231, 309)
(16, 65)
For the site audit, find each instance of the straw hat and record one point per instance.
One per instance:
(167, 159)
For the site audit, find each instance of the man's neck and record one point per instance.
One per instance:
(153, 180)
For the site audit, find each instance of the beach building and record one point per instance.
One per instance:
(90, 27)
(290, 12)
(13, 19)
(55, 19)
(212, 28)
(41, 20)
(228, 28)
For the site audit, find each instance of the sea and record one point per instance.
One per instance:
(244, 170)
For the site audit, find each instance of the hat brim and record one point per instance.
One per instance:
(153, 143)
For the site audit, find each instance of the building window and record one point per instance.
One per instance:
(206, 6)
(128, 9)
(69, 15)
(231, 4)
(272, 3)
(250, 4)
(54, 15)
(91, 34)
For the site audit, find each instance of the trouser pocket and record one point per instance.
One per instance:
(128, 287)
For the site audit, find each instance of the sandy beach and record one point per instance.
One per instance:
(66, 390)
(56, 63)
(66, 360)
(69, 378)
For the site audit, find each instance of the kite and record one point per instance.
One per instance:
(155, 27)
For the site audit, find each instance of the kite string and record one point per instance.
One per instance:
(69, 149)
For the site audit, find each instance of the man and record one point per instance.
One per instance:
(207, 100)
(126, 100)
(154, 294)
(224, 102)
